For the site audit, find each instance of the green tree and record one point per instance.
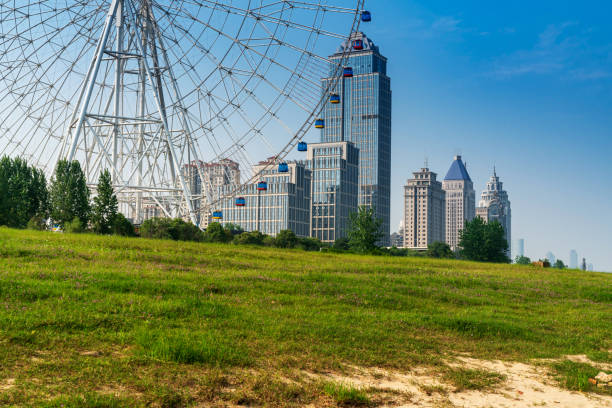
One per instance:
(233, 229)
(167, 228)
(122, 226)
(483, 242)
(310, 244)
(522, 260)
(440, 250)
(340, 245)
(365, 230)
(23, 193)
(250, 238)
(69, 195)
(559, 264)
(286, 239)
(216, 233)
(104, 210)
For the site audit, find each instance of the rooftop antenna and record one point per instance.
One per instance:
(426, 162)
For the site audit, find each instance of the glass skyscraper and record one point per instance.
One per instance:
(363, 116)
(335, 180)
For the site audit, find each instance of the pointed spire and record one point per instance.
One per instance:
(494, 171)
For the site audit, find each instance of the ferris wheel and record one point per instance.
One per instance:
(145, 87)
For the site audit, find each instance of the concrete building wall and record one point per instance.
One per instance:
(424, 209)
(284, 205)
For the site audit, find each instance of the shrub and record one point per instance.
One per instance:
(75, 226)
(341, 244)
(440, 250)
(269, 241)
(310, 244)
(522, 260)
(250, 238)
(166, 228)
(122, 226)
(286, 239)
(216, 233)
(37, 223)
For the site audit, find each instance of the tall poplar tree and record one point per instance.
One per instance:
(105, 205)
(69, 195)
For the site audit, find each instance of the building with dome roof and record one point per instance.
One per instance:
(495, 205)
(460, 201)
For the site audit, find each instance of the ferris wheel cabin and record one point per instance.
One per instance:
(348, 72)
(240, 202)
(358, 45)
(302, 147)
(366, 16)
(334, 98)
(319, 124)
(283, 168)
(217, 215)
(262, 186)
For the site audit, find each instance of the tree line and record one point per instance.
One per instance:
(28, 201)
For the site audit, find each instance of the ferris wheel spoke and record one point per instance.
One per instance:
(177, 81)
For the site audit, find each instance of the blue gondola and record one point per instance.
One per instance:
(334, 98)
(283, 168)
(217, 215)
(366, 16)
(302, 147)
(262, 186)
(319, 123)
(358, 44)
(348, 72)
(240, 202)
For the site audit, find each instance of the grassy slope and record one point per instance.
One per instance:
(171, 323)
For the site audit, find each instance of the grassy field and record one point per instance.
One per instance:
(108, 321)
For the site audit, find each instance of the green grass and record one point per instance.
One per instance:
(346, 395)
(472, 379)
(575, 376)
(172, 323)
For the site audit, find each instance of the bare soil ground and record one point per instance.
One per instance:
(525, 385)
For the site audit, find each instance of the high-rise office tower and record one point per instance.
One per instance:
(278, 201)
(460, 200)
(359, 111)
(573, 262)
(494, 205)
(551, 257)
(520, 250)
(335, 179)
(424, 207)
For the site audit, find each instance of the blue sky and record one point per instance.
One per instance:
(523, 85)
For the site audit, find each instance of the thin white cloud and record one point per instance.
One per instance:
(446, 24)
(562, 49)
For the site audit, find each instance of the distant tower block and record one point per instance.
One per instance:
(460, 201)
(573, 263)
(494, 205)
(520, 251)
(424, 205)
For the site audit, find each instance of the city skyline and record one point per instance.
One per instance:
(529, 93)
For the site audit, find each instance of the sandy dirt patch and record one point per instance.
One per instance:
(525, 386)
